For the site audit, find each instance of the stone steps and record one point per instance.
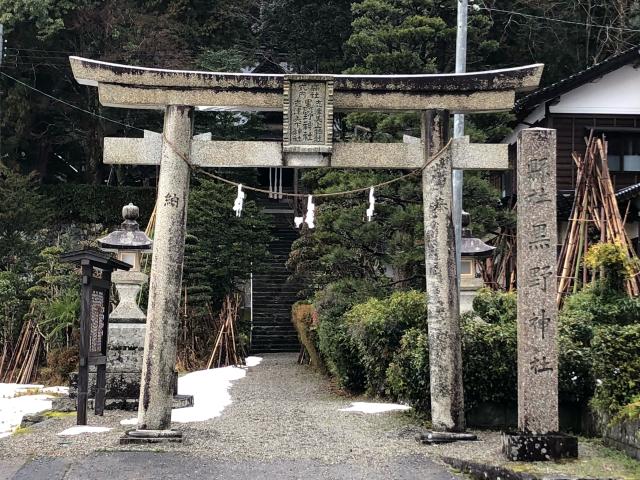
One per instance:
(273, 292)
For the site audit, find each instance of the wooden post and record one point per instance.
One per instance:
(445, 353)
(85, 332)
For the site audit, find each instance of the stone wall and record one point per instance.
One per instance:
(573, 417)
(624, 435)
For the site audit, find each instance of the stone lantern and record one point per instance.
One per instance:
(128, 243)
(472, 249)
(127, 322)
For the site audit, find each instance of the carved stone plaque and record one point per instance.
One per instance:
(97, 321)
(308, 114)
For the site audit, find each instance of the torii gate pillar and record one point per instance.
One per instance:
(156, 392)
(443, 307)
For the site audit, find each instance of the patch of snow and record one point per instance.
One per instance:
(10, 390)
(252, 361)
(83, 429)
(366, 407)
(210, 390)
(58, 390)
(14, 404)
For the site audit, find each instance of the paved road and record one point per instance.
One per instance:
(147, 465)
(283, 423)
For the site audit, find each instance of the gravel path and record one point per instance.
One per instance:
(283, 418)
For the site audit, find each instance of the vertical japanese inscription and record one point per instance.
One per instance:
(537, 282)
(97, 321)
(308, 114)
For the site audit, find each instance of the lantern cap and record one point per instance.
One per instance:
(471, 246)
(129, 237)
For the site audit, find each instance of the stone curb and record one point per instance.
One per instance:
(480, 471)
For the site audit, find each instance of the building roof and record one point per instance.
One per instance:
(564, 200)
(628, 193)
(528, 103)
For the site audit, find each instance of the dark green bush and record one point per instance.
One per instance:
(495, 307)
(376, 328)
(489, 361)
(592, 306)
(382, 344)
(408, 373)
(81, 203)
(575, 375)
(580, 318)
(616, 366)
(338, 351)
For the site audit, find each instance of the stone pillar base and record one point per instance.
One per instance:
(529, 447)
(138, 437)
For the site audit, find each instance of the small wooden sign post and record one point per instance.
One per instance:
(94, 323)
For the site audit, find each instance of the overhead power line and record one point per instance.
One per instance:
(558, 20)
(222, 179)
(89, 112)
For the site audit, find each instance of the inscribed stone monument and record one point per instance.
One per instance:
(538, 437)
(537, 286)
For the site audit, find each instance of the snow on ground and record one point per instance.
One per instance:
(18, 400)
(83, 429)
(210, 390)
(252, 361)
(366, 407)
(56, 390)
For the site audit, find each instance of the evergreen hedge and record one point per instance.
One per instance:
(616, 366)
(376, 328)
(381, 345)
(79, 203)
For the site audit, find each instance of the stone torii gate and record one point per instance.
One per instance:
(308, 103)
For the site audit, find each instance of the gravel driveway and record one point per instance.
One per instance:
(284, 422)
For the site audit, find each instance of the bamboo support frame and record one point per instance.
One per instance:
(595, 205)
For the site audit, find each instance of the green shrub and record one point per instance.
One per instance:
(575, 375)
(614, 264)
(591, 307)
(616, 366)
(489, 361)
(81, 203)
(490, 351)
(631, 411)
(338, 351)
(408, 372)
(582, 315)
(376, 328)
(495, 307)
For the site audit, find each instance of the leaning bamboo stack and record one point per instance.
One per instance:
(21, 365)
(499, 270)
(226, 350)
(595, 217)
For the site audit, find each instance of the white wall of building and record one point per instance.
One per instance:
(617, 93)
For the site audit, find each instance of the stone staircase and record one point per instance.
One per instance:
(273, 294)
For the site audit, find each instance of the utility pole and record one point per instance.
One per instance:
(458, 127)
(1, 92)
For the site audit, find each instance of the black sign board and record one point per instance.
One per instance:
(96, 268)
